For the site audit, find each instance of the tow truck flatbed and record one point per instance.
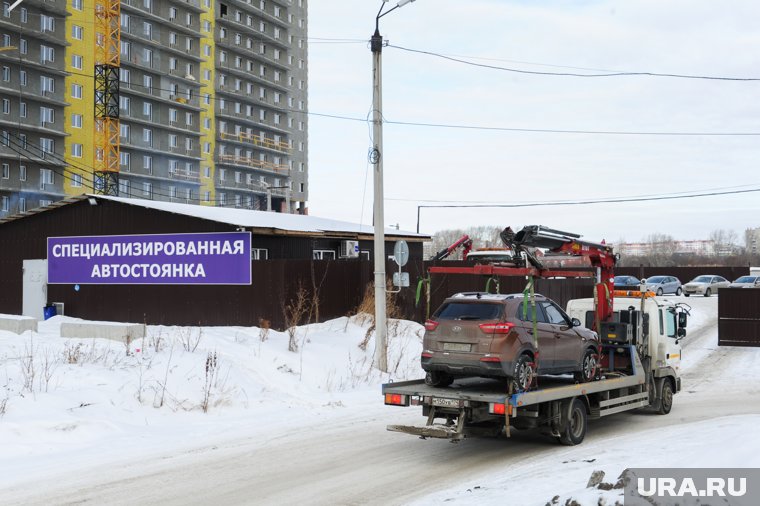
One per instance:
(472, 402)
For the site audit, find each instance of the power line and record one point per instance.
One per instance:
(567, 201)
(604, 201)
(582, 202)
(473, 127)
(572, 74)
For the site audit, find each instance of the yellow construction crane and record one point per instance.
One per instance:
(107, 63)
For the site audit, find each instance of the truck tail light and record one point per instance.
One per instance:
(431, 325)
(490, 358)
(427, 354)
(497, 328)
(497, 408)
(396, 400)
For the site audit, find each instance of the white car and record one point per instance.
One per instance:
(705, 285)
(746, 282)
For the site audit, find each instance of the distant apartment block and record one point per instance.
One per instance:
(212, 99)
(697, 247)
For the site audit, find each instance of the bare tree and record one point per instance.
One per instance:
(724, 242)
(662, 247)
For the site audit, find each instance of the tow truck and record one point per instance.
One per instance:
(640, 352)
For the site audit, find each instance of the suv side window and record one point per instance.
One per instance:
(540, 317)
(553, 313)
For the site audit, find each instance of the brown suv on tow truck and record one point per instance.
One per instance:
(491, 335)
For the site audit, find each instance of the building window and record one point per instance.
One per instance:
(22, 172)
(22, 77)
(76, 120)
(76, 150)
(76, 61)
(46, 177)
(76, 180)
(148, 189)
(124, 131)
(77, 32)
(148, 164)
(6, 73)
(323, 254)
(22, 205)
(47, 23)
(6, 171)
(76, 5)
(148, 136)
(47, 54)
(47, 116)
(76, 90)
(6, 106)
(124, 187)
(124, 159)
(4, 204)
(24, 15)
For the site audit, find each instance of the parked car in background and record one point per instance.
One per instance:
(661, 285)
(746, 282)
(626, 281)
(706, 285)
(491, 335)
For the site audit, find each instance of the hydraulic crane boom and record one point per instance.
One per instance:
(464, 241)
(564, 250)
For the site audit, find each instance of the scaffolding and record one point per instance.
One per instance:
(107, 64)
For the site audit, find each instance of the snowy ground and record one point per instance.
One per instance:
(79, 402)
(69, 408)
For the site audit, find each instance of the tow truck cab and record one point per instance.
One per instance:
(654, 325)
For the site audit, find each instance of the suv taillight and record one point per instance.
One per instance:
(431, 325)
(497, 328)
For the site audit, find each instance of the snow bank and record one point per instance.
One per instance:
(98, 399)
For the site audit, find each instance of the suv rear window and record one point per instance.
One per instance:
(469, 311)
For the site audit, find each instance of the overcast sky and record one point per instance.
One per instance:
(429, 166)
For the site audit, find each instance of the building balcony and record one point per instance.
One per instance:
(252, 163)
(258, 141)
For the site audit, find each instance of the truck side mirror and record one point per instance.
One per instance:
(575, 322)
(682, 317)
(681, 332)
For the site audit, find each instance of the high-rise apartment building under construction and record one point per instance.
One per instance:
(198, 101)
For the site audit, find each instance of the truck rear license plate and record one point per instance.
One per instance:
(445, 403)
(456, 347)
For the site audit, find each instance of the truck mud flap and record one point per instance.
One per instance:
(436, 431)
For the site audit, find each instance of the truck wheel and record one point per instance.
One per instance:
(522, 374)
(589, 367)
(575, 427)
(707, 293)
(666, 396)
(438, 379)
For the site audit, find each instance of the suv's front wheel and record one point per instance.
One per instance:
(438, 379)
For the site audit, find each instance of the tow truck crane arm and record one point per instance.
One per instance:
(560, 244)
(465, 242)
(564, 249)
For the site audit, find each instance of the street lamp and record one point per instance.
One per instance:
(376, 158)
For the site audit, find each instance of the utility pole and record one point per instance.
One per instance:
(376, 158)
